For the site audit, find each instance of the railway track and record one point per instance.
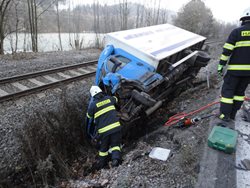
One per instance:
(22, 85)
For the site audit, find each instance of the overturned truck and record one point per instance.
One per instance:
(143, 66)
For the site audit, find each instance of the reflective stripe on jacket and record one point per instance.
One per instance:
(236, 51)
(103, 111)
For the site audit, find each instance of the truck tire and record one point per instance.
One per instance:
(202, 57)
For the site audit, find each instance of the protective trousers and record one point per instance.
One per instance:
(233, 92)
(112, 141)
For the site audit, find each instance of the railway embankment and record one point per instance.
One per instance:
(44, 126)
(42, 140)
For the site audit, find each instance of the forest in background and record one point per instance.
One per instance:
(47, 16)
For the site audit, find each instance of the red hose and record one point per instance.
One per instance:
(246, 98)
(177, 117)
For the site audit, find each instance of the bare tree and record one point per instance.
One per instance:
(138, 11)
(196, 17)
(33, 19)
(163, 16)
(96, 16)
(156, 19)
(34, 15)
(13, 25)
(96, 10)
(58, 24)
(4, 5)
(124, 13)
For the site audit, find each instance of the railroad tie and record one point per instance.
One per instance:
(35, 81)
(64, 75)
(3, 93)
(50, 78)
(75, 73)
(92, 68)
(20, 86)
(83, 70)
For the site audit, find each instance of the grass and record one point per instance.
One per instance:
(51, 140)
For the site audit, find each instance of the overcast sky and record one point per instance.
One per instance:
(223, 10)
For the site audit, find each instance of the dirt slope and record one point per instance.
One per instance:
(186, 145)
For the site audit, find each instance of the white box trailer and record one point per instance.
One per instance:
(155, 43)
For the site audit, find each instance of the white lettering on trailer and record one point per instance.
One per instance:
(154, 43)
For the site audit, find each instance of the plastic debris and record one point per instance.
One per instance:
(159, 153)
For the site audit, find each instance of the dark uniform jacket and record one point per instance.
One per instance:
(103, 111)
(236, 51)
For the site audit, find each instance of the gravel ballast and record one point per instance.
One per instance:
(21, 63)
(17, 115)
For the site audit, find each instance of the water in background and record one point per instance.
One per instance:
(50, 41)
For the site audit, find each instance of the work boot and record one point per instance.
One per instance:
(233, 114)
(229, 123)
(223, 120)
(100, 165)
(116, 162)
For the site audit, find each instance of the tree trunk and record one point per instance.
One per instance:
(17, 24)
(1, 38)
(58, 26)
(1, 44)
(4, 5)
(32, 10)
(35, 26)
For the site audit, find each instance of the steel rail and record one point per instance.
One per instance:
(45, 72)
(44, 87)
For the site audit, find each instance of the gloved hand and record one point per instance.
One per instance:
(220, 69)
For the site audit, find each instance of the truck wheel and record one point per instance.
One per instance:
(202, 57)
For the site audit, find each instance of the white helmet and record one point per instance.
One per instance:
(245, 15)
(94, 90)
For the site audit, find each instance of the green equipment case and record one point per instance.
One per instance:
(223, 138)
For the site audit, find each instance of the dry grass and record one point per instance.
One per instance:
(51, 140)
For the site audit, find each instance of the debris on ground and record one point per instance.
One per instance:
(159, 153)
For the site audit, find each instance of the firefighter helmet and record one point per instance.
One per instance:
(94, 90)
(245, 15)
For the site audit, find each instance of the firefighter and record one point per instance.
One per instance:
(236, 53)
(104, 114)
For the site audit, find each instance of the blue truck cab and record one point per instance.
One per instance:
(115, 65)
(143, 67)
